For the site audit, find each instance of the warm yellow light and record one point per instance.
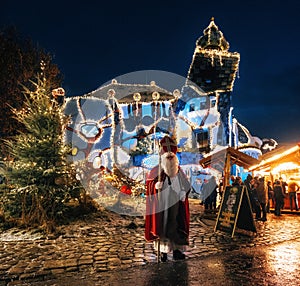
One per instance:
(275, 157)
(74, 151)
(137, 96)
(155, 95)
(285, 167)
(283, 258)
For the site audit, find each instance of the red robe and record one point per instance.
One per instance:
(154, 216)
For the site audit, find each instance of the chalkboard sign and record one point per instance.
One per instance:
(235, 211)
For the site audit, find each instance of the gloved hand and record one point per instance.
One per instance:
(158, 185)
(182, 196)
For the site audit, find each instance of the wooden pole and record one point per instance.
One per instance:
(158, 251)
(158, 196)
(227, 170)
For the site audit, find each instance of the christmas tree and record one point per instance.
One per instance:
(143, 147)
(41, 182)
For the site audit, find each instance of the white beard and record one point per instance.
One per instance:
(170, 166)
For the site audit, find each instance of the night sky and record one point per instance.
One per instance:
(95, 41)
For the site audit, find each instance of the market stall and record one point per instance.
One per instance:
(224, 159)
(283, 162)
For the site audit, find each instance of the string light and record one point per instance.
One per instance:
(275, 158)
(211, 46)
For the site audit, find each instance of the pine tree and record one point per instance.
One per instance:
(41, 179)
(20, 61)
(143, 147)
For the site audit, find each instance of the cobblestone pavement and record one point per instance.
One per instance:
(108, 241)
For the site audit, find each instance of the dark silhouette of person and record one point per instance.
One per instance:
(278, 197)
(293, 188)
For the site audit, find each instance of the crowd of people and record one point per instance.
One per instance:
(262, 194)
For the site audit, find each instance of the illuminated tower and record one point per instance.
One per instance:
(214, 69)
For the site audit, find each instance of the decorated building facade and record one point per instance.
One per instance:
(116, 129)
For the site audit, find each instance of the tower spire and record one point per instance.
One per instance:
(213, 38)
(213, 67)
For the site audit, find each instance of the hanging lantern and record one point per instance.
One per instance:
(155, 95)
(137, 96)
(176, 93)
(58, 92)
(111, 92)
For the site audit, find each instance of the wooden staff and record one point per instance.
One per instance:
(158, 251)
(159, 190)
